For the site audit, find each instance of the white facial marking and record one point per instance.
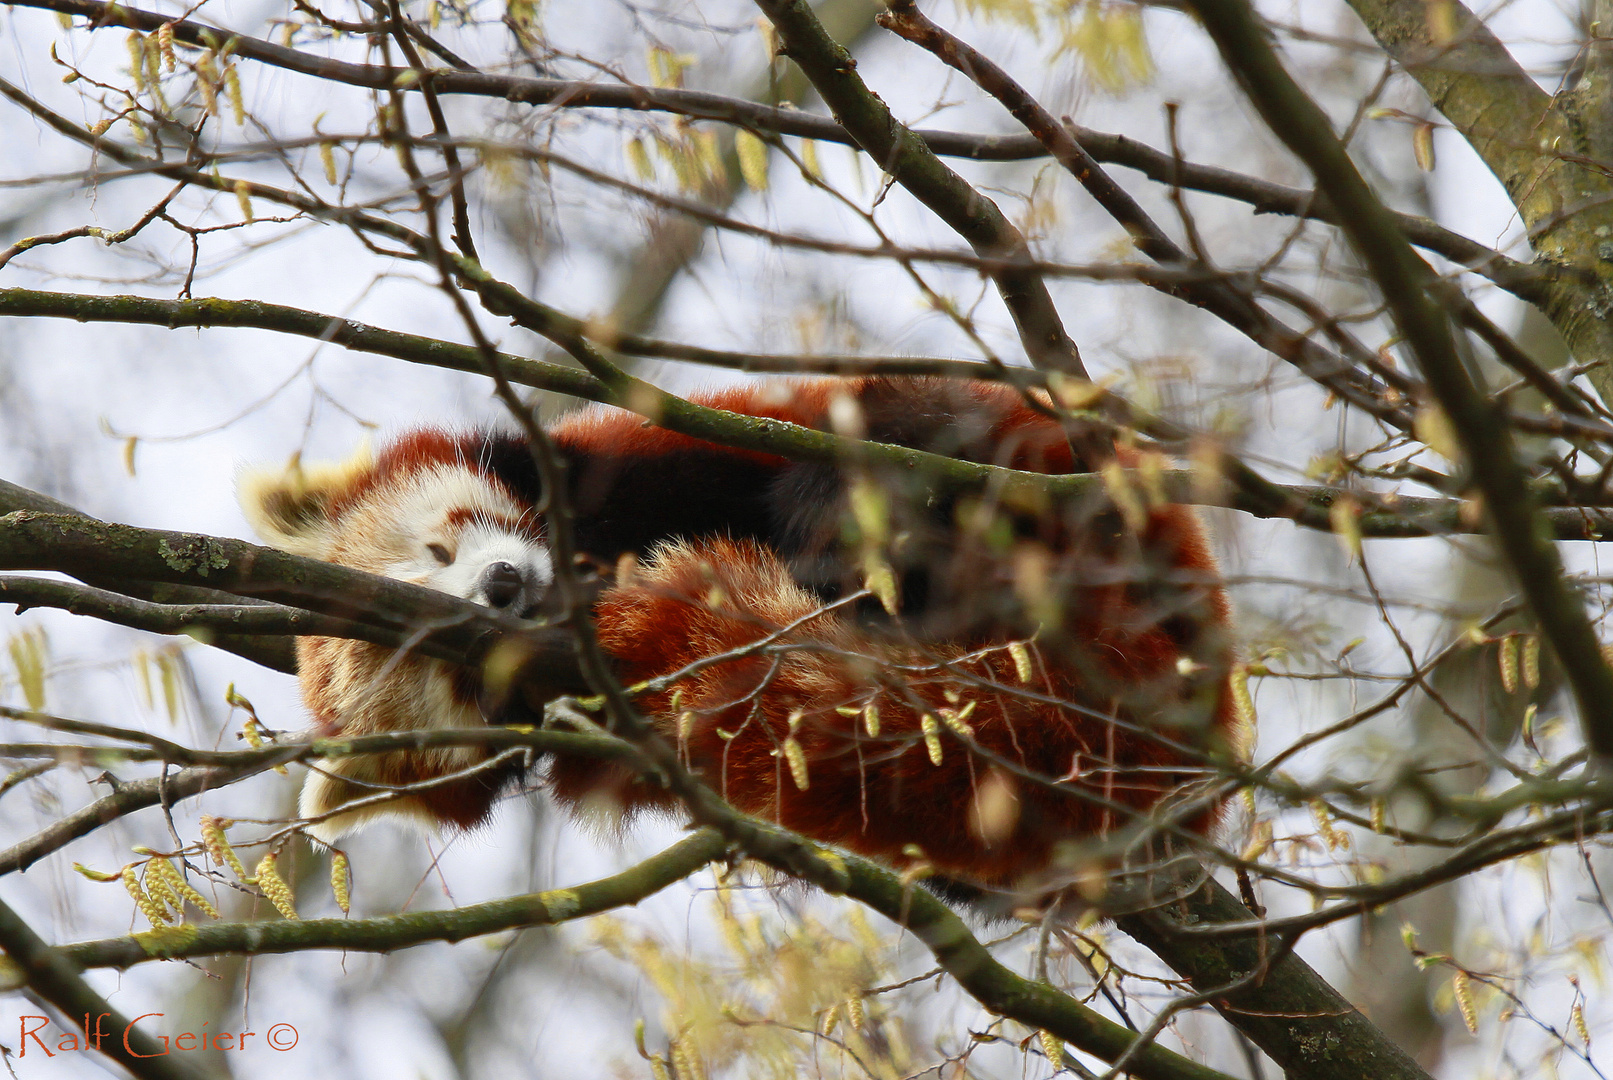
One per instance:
(455, 533)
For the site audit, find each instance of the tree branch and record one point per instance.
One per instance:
(225, 767)
(56, 979)
(1201, 286)
(1290, 1012)
(1491, 456)
(200, 621)
(448, 627)
(276, 655)
(391, 932)
(1310, 506)
(1520, 278)
(897, 151)
(1543, 150)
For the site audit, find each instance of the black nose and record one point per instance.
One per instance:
(502, 584)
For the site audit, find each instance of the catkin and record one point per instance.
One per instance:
(932, 737)
(218, 845)
(1462, 988)
(798, 763)
(152, 910)
(274, 886)
(1022, 660)
(341, 880)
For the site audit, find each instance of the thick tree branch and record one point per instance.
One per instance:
(448, 627)
(277, 655)
(1545, 151)
(1491, 455)
(1383, 516)
(201, 621)
(1290, 1012)
(56, 979)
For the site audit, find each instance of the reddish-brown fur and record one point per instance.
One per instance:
(1126, 635)
(1019, 779)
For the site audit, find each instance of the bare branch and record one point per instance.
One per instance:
(56, 979)
(392, 932)
(905, 157)
(1481, 427)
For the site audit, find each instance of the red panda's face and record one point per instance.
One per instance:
(448, 528)
(433, 521)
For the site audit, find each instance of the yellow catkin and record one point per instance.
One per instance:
(207, 82)
(132, 115)
(158, 887)
(1507, 658)
(1345, 518)
(197, 900)
(274, 886)
(871, 720)
(1124, 496)
(341, 880)
(752, 153)
(252, 730)
(179, 888)
(687, 1062)
(151, 53)
(658, 1068)
(932, 737)
(1260, 839)
(218, 845)
(152, 910)
(831, 1020)
(1461, 987)
(638, 156)
(1531, 661)
(809, 157)
(1242, 700)
(856, 1015)
(1380, 811)
(1324, 824)
(165, 46)
(327, 158)
(1022, 660)
(798, 763)
(958, 721)
(1052, 1047)
(232, 84)
(1577, 1016)
(137, 59)
(243, 196)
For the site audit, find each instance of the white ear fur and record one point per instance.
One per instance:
(290, 507)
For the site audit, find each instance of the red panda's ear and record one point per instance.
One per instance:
(293, 508)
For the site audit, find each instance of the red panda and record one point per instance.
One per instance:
(1019, 681)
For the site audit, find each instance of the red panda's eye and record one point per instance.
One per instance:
(440, 553)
